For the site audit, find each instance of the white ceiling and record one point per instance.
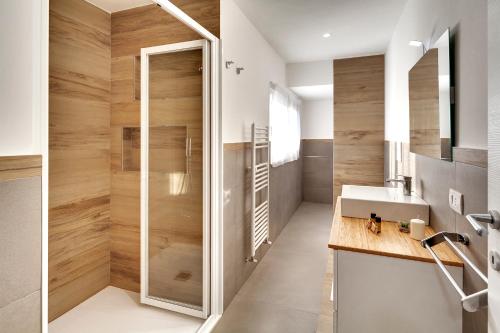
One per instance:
(295, 27)
(311, 93)
(112, 6)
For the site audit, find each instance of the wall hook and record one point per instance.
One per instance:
(229, 63)
(239, 69)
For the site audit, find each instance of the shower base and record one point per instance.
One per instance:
(117, 310)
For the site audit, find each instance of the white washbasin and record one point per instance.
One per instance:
(388, 203)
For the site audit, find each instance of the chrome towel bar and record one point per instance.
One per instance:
(472, 302)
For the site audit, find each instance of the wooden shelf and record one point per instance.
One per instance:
(351, 234)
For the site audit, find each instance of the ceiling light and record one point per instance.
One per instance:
(416, 43)
(327, 35)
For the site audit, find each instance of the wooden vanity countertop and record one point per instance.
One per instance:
(351, 234)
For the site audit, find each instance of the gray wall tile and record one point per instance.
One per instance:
(434, 179)
(285, 197)
(20, 238)
(472, 182)
(317, 179)
(23, 315)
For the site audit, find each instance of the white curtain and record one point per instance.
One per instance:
(284, 121)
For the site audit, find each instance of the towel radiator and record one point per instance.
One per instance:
(260, 189)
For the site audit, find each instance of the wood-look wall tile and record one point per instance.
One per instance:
(79, 159)
(359, 122)
(130, 31)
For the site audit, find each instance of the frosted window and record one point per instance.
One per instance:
(284, 120)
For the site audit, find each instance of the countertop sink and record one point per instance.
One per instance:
(388, 203)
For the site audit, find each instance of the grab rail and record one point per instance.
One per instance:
(472, 302)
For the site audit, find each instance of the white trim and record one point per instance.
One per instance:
(207, 203)
(44, 146)
(209, 324)
(145, 297)
(216, 291)
(186, 19)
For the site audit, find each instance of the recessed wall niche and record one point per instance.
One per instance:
(168, 149)
(131, 149)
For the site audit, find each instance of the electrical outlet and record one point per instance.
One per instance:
(456, 200)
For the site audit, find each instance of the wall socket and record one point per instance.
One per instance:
(456, 200)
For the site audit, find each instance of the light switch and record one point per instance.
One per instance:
(456, 200)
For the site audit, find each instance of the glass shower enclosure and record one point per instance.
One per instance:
(175, 177)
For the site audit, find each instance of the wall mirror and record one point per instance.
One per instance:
(431, 111)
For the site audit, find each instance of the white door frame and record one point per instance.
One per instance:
(216, 281)
(145, 126)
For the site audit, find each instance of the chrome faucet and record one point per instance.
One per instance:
(406, 181)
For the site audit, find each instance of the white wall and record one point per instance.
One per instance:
(426, 20)
(310, 73)
(20, 51)
(317, 119)
(245, 97)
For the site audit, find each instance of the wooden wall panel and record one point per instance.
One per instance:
(16, 167)
(79, 158)
(423, 84)
(132, 30)
(358, 122)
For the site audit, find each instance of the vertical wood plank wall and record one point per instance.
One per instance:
(130, 31)
(358, 122)
(79, 158)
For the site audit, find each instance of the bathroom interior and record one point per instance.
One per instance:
(213, 165)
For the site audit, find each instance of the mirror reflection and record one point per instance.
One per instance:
(430, 102)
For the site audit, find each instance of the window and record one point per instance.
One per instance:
(284, 121)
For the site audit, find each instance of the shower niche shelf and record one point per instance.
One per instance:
(131, 149)
(169, 148)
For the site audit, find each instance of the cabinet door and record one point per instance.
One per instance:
(379, 294)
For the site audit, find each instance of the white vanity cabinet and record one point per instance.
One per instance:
(388, 283)
(380, 294)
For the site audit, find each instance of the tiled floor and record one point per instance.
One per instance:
(284, 292)
(115, 310)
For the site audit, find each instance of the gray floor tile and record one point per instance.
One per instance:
(283, 294)
(256, 317)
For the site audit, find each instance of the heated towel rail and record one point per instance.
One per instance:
(472, 302)
(260, 189)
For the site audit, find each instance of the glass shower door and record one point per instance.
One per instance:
(175, 177)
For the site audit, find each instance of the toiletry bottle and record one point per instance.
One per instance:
(377, 225)
(371, 220)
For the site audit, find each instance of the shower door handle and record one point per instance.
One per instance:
(188, 146)
(188, 155)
